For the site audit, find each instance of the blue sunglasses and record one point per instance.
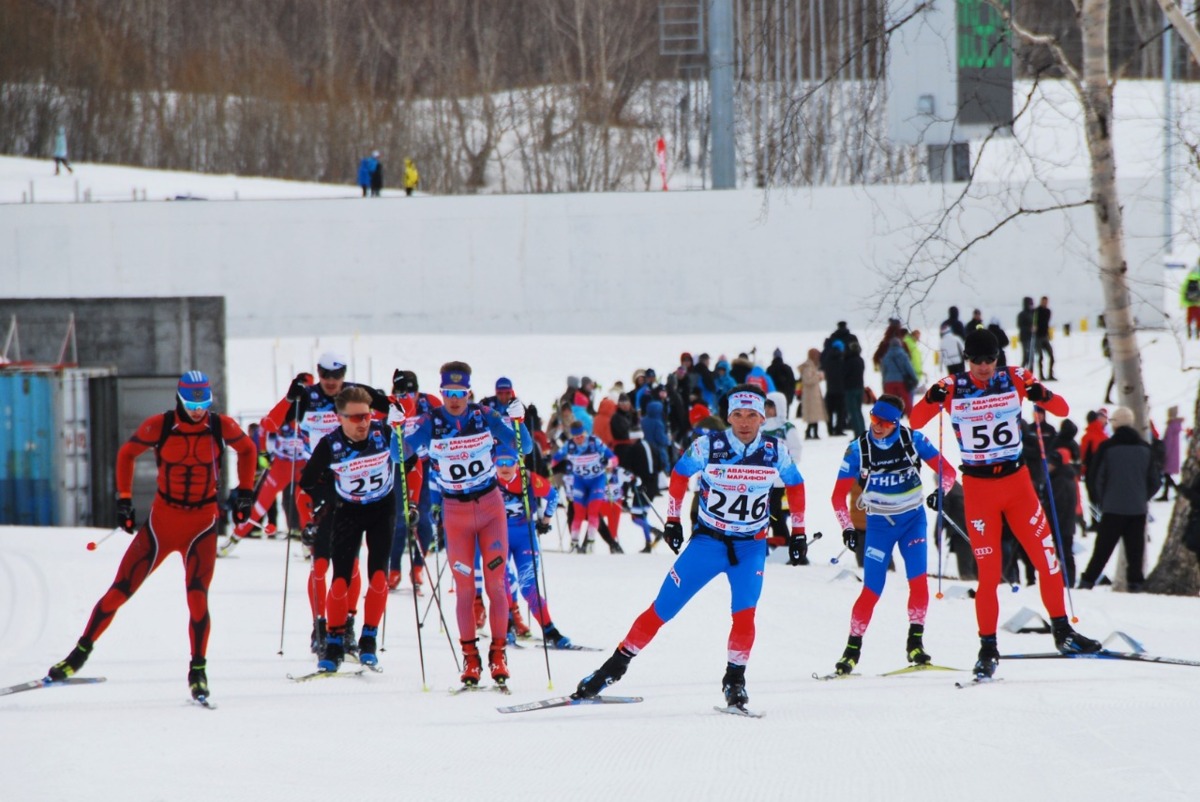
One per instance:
(196, 406)
(454, 393)
(506, 462)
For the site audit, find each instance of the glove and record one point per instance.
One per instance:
(1039, 393)
(936, 394)
(516, 410)
(126, 515)
(849, 538)
(798, 549)
(299, 387)
(673, 534)
(931, 501)
(543, 526)
(435, 515)
(242, 502)
(308, 535)
(412, 517)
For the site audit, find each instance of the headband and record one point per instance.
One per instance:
(747, 400)
(456, 377)
(888, 412)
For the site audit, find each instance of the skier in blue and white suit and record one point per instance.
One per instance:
(737, 468)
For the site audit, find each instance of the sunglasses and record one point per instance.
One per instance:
(981, 360)
(454, 393)
(359, 417)
(506, 462)
(331, 374)
(878, 421)
(196, 406)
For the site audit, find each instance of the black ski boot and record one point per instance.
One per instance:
(335, 652)
(850, 657)
(351, 637)
(1068, 641)
(733, 685)
(367, 646)
(916, 651)
(198, 679)
(73, 662)
(989, 657)
(318, 638)
(612, 670)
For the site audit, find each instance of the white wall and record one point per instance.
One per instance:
(637, 263)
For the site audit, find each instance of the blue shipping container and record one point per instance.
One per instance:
(27, 441)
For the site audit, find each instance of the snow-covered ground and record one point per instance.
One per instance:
(1056, 729)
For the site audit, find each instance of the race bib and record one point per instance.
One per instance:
(736, 500)
(988, 427)
(588, 465)
(318, 424)
(464, 464)
(365, 478)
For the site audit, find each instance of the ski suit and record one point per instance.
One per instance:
(588, 466)
(289, 454)
(523, 546)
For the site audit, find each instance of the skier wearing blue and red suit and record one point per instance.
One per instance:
(523, 546)
(984, 404)
(737, 468)
(588, 462)
(886, 462)
(409, 403)
(460, 437)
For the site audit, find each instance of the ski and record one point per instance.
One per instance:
(917, 669)
(497, 688)
(46, 682)
(203, 701)
(568, 701)
(574, 647)
(372, 667)
(1104, 654)
(739, 710)
(977, 681)
(825, 677)
(325, 675)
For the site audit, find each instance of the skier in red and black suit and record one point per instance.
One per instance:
(985, 410)
(188, 443)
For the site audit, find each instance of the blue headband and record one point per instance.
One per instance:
(885, 411)
(456, 377)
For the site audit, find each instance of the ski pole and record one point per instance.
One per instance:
(94, 544)
(537, 546)
(433, 597)
(412, 553)
(835, 560)
(287, 552)
(437, 598)
(1054, 520)
(939, 527)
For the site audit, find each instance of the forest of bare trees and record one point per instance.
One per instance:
(514, 96)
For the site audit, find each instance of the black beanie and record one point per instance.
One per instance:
(980, 342)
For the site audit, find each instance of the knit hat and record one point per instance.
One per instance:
(1121, 416)
(980, 343)
(503, 383)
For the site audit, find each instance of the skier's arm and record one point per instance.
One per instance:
(146, 436)
(247, 452)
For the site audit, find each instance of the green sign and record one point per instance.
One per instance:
(983, 36)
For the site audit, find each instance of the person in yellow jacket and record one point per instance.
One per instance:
(1189, 299)
(411, 177)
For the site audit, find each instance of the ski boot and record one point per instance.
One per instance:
(335, 652)
(588, 544)
(733, 685)
(318, 638)
(366, 647)
(555, 639)
(989, 657)
(916, 651)
(481, 618)
(350, 637)
(1068, 641)
(472, 664)
(649, 547)
(850, 656)
(418, 579)
(498, 663)
(73, 662)
(517, 623)
(612, 670)
(393, 580)
(198, 679)
(230, 545)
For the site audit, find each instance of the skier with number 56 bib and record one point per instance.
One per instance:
(985, 410)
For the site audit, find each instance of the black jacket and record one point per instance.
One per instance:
(1123, 475)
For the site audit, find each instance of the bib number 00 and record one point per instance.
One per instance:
(741, 506)
(458, 471)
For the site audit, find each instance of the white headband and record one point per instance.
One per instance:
(748, 400)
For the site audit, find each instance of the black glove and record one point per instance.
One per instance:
(673, 534)
(241, 502)
(308, 535)
(798, 549)
(412, 517)
(931, 501)
(126, 515)
(936, 394)
(299, 387)
(850, 538)
(542, 527)
(1039, 393)
(435, 515)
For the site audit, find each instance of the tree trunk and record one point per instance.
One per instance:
(1178, 569)
(1184, 27)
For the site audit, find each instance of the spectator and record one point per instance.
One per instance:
(1189, 299)
(854, 371)
(976, 321)
(411, 177)
(722, 382)
(1124, 477)
(741, 368)
(833, 366)
(376, 176)
(894, 329)
(654, 430)
(1041, 333)
(843, 333)
(1094, 434)
(1025, 324)
(912, 344)
(1170, 452)
(954, 323)
(899, 378)
(602, 423)
(704, 380)
(760, 379)
(812, 404)
(951, 349)
(60, 150)
(366, 169)
(1001, 340)
(784, 377)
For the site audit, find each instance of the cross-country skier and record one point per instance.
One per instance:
(737, 469)
(588, 462)
(409, 403)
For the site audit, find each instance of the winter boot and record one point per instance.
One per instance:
(989, 657)
(517, 623)
(612, 670)
(916, 651)
(418, 579)
(350, 637)
(73, 662)
(472, 664)
(318, 638)
(498, 662)
(733, 685)
(481, 618)
(335, 652)
(850, 656)
(555, 639)
(366, 647)
(198, 679)
(1068, 641)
